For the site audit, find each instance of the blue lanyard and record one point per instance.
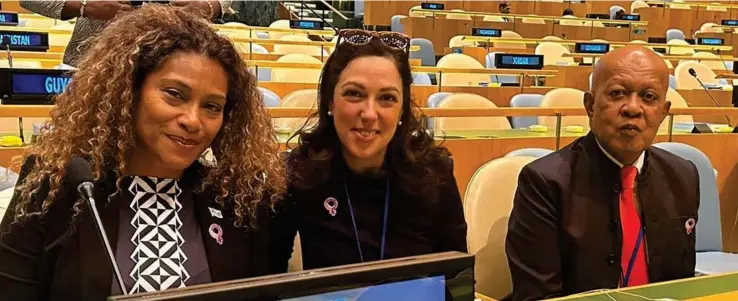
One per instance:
(384, 222)
(631, 262)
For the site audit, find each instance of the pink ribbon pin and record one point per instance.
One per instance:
(216, 232)
(689, 225)
(331, 205)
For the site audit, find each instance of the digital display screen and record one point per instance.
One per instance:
(306, 24)
(710, 41)
(39, 84)
(519, 61)
(23, 40)
(631, 17)
(424, 289)
(486, 32)
(592, 48)
(436, 6)
(730, 22)
(8, 18)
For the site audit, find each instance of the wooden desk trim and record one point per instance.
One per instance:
(691, 4)
(573, 42)
(666, 57)
(38, 30)
(324, 32)
(524, 72)
(600, 292)
(517, 16)
(15, 111)
(282, 42)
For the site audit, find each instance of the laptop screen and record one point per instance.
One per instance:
(425, 289)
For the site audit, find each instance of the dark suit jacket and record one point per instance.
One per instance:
(48, 258)
(564, 235)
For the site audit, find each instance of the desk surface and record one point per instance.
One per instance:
(698, 288)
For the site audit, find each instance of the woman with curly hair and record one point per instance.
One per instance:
(368, 181)
(156, 90)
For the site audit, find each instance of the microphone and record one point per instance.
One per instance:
(79, 174)
(722, 59)
(6, 42)
(693, 73)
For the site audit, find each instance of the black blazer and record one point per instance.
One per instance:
(564, 235)
(48, 258)
(415, 225)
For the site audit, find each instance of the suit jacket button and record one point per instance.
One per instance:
(611, 259)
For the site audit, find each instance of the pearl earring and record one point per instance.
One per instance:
(400, 123)
(330, 113)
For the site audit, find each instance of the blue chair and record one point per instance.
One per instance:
(8, 178)
(436, 98)
(265, 74)
(614, 9)
(489, 62)
(674, 34)
(65, 67)
(426, 53)
(525, 101)
(529, 152)
(433, 101)
(395, 24)
(710, 256)
(271, 99)
(359, 9)
(256, 48)
(421, 78)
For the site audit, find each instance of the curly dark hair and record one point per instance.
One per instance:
(413, 158)
(94, 117)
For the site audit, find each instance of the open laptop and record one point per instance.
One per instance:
(437, 277)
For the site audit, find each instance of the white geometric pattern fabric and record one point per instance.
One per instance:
(158, 255)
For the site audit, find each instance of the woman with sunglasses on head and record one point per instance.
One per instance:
(158, 87)
(368, 181)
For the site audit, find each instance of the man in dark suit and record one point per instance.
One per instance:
(608, 210)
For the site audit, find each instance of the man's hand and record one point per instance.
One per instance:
(200, 7)
(105, 10)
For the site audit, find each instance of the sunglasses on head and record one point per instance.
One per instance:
(358, 37)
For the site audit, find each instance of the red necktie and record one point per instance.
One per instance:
(631, 224)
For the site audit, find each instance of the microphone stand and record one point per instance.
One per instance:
(693, 73)
(86, 189)
(6, 43)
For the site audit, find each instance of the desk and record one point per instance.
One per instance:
(613, 44)
(379, 12)
(440, 31)
(688, 21)
(726, 36)
(699, 98)
(716, 287)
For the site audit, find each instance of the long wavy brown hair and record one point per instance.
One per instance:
(413, 158)
(93, 118)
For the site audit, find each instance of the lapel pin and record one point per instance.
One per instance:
(331, 205)
(215, 213)
(216, 232)
(689, 225)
